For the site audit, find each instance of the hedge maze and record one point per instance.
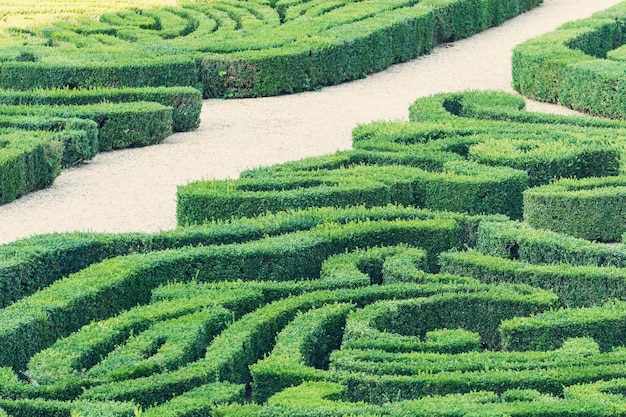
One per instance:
(402, 278)
(141, 74)
(453, 265)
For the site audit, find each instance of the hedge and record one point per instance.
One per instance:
(283, 47)
(519, 241)
(120, 125)
(548, 330)
(588, 208)
(77, 147)
(302, 349)
(462, 187)
(575, 286)
(186, 102)
(120, 283)
(39, 261)
(28, 161)
(240, 344)
(574, 65)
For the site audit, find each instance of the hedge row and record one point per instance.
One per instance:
(76, 147)
(34, 263)
(249, 49)
(574, 65)
(575, 285)
(120, 125)
(93, 120)
(590, 208)
(58, 310)
(301, 351)
(546, 378)
(605, 324)
(326, 399)
(519, 241)
(29, 161)
(186, 102)
(462, 187)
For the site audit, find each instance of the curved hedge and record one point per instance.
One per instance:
(330, 309)
(590, 208)
(244, 49)
(579, 65)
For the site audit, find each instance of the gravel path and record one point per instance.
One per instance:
(135, 190)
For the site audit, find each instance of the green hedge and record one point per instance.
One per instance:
(120, 125)
(200, 401)
(370, 378)
(302, 349)
(243, 50)
(76, 147)
(186, 102)
(575, 285)
(462, 187)
(28, 161)
(39, 261)
(605, 324)
(120, 283)
(51, 408)
(518, 240)
(574, 65)
(589, 208)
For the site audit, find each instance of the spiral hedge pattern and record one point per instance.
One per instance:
(327, 291)
(243, 48)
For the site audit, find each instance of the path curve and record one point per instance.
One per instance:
(135, 189)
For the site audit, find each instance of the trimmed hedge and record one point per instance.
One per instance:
(29, 161)
(575, 286)
(244, 50)
(574, 65)
(120, 283)
(120, 125)
(302, 349)
(462, 187)
(77, 147)
(186, 102)
(548, 330)
(31, 264)
(519, 241)
(590, 208)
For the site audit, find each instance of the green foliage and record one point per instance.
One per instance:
(589, 208)
(575, 65)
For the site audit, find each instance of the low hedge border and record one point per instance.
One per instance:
(548, 330)
(519, 241)
(37, 262)
(280, 51)
(35, 322)
(75, 149)
(29, 161)
(462, 187)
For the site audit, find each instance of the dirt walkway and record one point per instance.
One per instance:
(135, 190)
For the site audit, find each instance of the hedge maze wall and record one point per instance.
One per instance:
(395, 279)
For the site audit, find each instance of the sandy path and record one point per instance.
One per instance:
(135, 190)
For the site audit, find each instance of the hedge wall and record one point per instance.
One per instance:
(575, 65)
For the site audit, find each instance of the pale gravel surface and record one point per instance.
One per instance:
(135, 190)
